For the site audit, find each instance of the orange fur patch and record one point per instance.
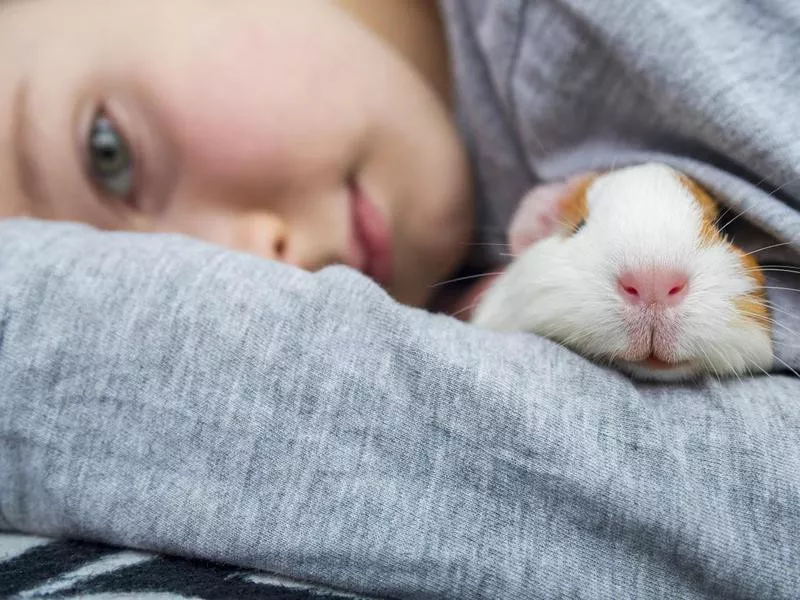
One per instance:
(709, 234)
(573, 207)
(753, 305)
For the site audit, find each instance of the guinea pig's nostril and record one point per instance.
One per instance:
(677, 285)
(664, 287)
(630, 290)
(629, 285)
(677, 289)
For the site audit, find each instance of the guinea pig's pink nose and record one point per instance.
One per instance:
(663, 287)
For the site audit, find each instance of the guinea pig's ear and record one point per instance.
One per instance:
(550, 209)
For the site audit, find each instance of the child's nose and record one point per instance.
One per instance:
(264, 235)
(259, 233)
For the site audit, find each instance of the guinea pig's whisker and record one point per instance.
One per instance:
(793, 271)
(749, 208)
(759, 317)
(785, 364)
(471, 307)
(774, 323)
(757, 366)
(715, 348)
(710, 363)
(465, 278)
(721, 216)
(769, 248)
(762, 180)
(735, 218)
(506, 244)
(787, 329)
(774, 266)
(491, 229)
(786, 289)
(733, 370)
(778, 309)
(732, 220)
(783, 185)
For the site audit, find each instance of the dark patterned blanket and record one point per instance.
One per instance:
(37, 568)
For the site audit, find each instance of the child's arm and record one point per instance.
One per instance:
(160, 393)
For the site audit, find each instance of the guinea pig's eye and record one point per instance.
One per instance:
(109, 161)
(579, 226)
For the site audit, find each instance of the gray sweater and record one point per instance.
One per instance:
(160, 393)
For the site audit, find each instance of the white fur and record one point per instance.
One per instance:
(565, 287)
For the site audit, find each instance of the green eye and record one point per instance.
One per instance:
(110, 162)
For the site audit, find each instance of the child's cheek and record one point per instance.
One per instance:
(221, 131)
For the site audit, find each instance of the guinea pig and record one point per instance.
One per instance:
(629, 268)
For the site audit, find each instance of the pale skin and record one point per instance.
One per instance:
(245, 123)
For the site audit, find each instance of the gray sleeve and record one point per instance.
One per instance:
(162, 394)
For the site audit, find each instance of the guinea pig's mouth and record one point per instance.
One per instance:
(654, 368)
(653, 362)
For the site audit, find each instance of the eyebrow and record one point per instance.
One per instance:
(29, 172)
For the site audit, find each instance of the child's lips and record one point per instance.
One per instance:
(371, 241)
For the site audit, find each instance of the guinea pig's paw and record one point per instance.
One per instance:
(549, 209)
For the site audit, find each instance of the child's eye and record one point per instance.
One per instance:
(109, 159)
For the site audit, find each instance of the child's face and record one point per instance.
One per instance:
(256, 124)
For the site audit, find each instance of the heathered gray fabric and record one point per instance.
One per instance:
(159, 393)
